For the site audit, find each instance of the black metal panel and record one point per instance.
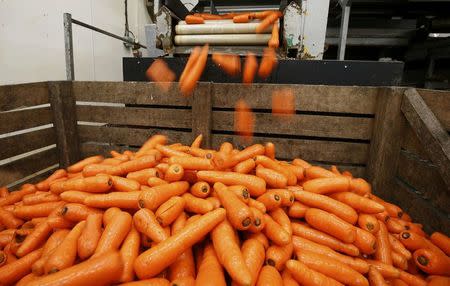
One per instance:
(364, 73)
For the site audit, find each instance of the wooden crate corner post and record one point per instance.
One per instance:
(202, 113)
(386, 141)
(63, 106)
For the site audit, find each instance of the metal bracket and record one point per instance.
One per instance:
(345, 17)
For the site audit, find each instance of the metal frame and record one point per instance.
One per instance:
(68, 42)
(345, 16)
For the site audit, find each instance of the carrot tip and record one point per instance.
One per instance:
(204, 189)
(276, 197)
(406, 235)
(246, 222)
(271, 262)
(141, 204)
(257, 222)
(245, 194)
(422, 260)
(54, 270)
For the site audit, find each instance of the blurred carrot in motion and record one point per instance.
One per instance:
(268, 63)
(244, 120)
(274, 41)
(283, 102)
(160, 73)
(231, 64)
(250, 68)
(193, 74)
(244, 18)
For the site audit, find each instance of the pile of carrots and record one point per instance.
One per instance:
(185, 215)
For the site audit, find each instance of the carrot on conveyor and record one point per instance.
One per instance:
(191, 19)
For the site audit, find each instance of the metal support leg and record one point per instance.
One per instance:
(70, 71)
(345, 5)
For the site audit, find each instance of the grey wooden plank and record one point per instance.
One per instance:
(420, 209)
(343, 99)
(32, 179)
(24, 119)
(23, 95)
(386, 140)
(424, 178)
(158, 117)
(316, 150)
(202, 114)
(91, 149)
(429, 131)
(302, 125)
(411, 144)
(439, 102)
(26, 142)
(65, 122)
(128, 136)
(21, 168)
(129, 93)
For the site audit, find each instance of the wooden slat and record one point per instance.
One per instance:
(26, 166)
(317, 150)
(439, 102)
(127, 136)
(302, 125)
(425, 178)
(386, 140)
(421, 210)
(128, 92)
(65, 121)
(23, 95)
(91, 149)
(25, 142)
(411, 144)
(160, 117)
(24, 119)
(32, 180)
(429, 131)
(343, 99)
(202, 111)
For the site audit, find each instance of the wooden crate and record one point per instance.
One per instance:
(376, 133)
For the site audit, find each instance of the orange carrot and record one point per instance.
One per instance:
(214, 201)
(229, 254)
(383, 249)
(196, 205)
(154, 181)
(360, 186)
(271, 164)
(244, 121)
(241, 192)
(14, 271)
(397, 246)
(272, 178)
(269, 276)
(249, 152)
(88, 240)
(413, 280)
(275, 232)
(324, 239)
(74, 196)
(316, 172)
(3, 192)
(326, 185)
(270, 199)
(156, 259)
(33, 241)
(268, 20)
(331, 224)
(78, 167)
(38, 210)
(250, 68)
(197, 141)
(261, 15)
(388, 271)
(184, 265)
(365, 241)
(297, 210)
(151, 143)
(174, 173)
(77, 212)
(413, 241)
(125, 185)
(432, 261)
(152, 198)
(277, 256)
(244, 18)
(359, 203)
(328, 204)
(256, 186)
(192, 163)
(127, 200)
(442, 241)
(301, 163)
(195, 54)
(143, 175)
(9, 220)
(268, 63)
(97, 184)
(245, 166)
(146, 223)
(104, 270)
(238, 213)
(200, 189)
(436, 280)
(332, 268)
(128, 252)
(161, 74)
(170, 210)
(45, 184)
(64, 254)
(288, 280)
(399, 260)
(368, 223)
(16, 196)
(190, 19)
(257, 205)
(210, 272)
(231, 64)
(280, 217)
(38, 198)
(274, 41)
(187, 86)
(375, 277)
(114, 233)
(308, 277)
(201, 153)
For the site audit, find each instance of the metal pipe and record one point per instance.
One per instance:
(107, 33)
(344, 30)
(223, 39)
(68, 44)
(218, 28)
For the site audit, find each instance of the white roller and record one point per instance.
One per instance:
(219, 28)
(223, 39)
(223, 21)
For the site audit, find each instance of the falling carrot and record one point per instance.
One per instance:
(195, 54)
(268, 63)
(268, 20)
(244, 120)
(187, 86)
(231, 64)
(160, 73)
(250, 68)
